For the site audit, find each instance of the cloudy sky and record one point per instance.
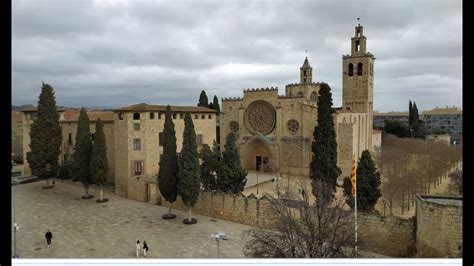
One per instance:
(115, 53)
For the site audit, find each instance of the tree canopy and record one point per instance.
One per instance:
(324, 147)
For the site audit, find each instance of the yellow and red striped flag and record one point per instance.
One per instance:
(353, 177)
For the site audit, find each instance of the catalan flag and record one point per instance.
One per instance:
(353, 177)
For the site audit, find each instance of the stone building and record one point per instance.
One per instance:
(138, 144)
(275, 131)
(439, 138)
(443, 238)
(133, 141)
(68, 123)
(17, 133)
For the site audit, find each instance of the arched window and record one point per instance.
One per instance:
(359, 69)
(314, 96)
(136, 116)
(351, 70)
(357, 46)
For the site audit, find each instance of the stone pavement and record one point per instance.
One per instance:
(86, 229)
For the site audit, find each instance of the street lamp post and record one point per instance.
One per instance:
(14, 221)
(217, 236)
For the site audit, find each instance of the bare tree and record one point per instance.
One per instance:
(411, 166)
(321, 230)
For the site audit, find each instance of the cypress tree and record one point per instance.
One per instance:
(410, 113)
(46, 137)
(231, 177)
(216, 105)
(83, 153)
(99, 164)
(416, 116)
(323, 165)
(210, 164)
(168, 172)
(203, 101)
(211, 106)
(368, 184)
(189, 181)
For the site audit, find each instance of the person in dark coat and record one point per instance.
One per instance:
(48, 237)
(145, 248)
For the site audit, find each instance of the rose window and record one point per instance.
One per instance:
(260, 116)
(293, 126)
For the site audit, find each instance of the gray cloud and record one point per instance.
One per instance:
(115, 53)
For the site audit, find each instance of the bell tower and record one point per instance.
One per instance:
(306, 73)
(358, 80)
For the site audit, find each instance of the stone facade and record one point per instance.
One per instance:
(440, 138)
(439, 226)
(69, 131)
(275, 132)
(391, 236)
(138, 149)
(130, 141)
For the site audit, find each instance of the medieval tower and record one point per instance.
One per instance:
(358, 81)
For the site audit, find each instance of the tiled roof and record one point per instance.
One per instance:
(376, 131)
(72, 115)
(391, 114)
(143, 107)
(306, 63)
(444, 111)
(34, 109)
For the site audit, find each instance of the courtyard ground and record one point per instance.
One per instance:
(85, 229)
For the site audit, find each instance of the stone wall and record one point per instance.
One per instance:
(391, 236)
(248, 210)
(439, 226)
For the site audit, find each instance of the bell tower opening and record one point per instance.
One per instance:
(359, 41)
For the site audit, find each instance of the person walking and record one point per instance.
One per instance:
(138, 248)
(145, 248)
(48, 237)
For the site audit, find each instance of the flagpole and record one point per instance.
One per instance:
(356, 220)
(354, 193)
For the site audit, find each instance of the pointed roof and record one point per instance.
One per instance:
(306, 63)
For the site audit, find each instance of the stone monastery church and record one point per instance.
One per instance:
(274, 131)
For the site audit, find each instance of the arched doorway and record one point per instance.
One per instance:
(257, 156)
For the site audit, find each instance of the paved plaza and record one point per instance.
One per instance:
(86, 229)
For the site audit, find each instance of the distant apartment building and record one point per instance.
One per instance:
(446, 119)
(379, 118)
